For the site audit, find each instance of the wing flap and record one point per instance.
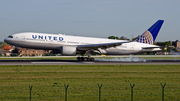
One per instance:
(102, 45)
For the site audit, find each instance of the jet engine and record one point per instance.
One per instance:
(68, 50)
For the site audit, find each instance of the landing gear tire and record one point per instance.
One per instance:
(85, 59)
(79, 58)
(91, 59)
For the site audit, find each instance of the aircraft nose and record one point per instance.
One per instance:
(6, 40)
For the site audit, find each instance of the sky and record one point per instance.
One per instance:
(90, 18)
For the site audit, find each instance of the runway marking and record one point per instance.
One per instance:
(52, 62)
(58, 62)
(88, 62)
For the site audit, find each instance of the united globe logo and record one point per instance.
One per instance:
(146, 37)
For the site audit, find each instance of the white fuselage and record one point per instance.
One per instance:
(54, 42)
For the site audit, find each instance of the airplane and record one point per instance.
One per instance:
(71, 45)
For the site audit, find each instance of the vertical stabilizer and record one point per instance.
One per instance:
(150, 35)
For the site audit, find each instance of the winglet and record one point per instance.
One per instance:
(150, 35)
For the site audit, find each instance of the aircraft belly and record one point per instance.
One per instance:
(35, 45)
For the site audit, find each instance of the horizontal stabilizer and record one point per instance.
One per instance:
(150, 47)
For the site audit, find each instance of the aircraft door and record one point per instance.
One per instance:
(23, 38)
(132, 47)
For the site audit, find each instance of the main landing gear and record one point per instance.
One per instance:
(85, 59)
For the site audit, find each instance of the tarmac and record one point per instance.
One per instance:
(97, 62)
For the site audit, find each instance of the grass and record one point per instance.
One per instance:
(48, 82)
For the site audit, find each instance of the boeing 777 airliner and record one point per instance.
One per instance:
(71, 45)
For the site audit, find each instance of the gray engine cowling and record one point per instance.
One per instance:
(68, 50)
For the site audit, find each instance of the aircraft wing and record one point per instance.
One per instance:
(101, 45)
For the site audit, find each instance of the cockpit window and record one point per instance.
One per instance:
(10, 36)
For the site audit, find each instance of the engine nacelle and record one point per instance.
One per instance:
(68, 50)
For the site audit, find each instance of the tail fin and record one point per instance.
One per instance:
(150, 35)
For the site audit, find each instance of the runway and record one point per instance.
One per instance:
(97, 62)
